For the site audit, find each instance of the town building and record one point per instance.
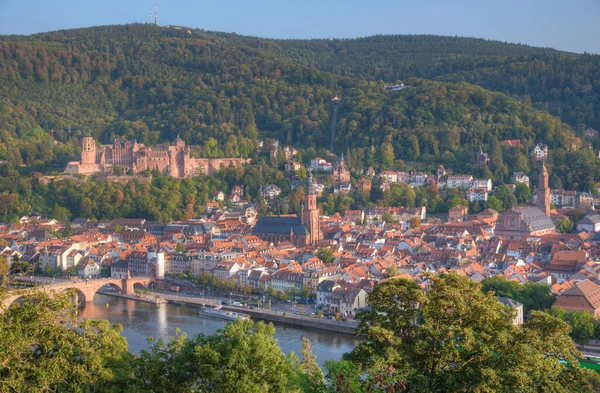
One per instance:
(482, 183)
(520, 177)
(270, 191)
(516, 306)
(458, 181)
(319, 164)
(364, 185)
(342, 187)
(583, 296)
(589, 223)
(390, 176)
(457, 213)
(540, 151)
(292, 166)
(347, 300)
(512, 142)
(477, 194)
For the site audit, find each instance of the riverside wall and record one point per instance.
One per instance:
(291, 319)
(298, 320)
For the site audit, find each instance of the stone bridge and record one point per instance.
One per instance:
(84, 290)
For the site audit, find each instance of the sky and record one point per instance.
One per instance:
(571, 25)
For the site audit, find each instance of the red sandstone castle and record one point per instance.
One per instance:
(172, 159)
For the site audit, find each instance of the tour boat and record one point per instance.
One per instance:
(222, 314)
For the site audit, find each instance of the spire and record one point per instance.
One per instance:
(311, 187)
(543, 179)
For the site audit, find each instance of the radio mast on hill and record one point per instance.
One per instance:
(154, 16)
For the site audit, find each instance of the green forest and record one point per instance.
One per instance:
(459, 338)
(222, 92)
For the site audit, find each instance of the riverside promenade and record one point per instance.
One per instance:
(283, 317)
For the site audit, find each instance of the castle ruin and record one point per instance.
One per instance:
(172, 159)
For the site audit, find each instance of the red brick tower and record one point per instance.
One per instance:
(543, 192)
(310, 213)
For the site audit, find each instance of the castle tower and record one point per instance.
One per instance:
(310, 213)
(543, 192)
(88, 150)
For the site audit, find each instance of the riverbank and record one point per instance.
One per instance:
(282, 317)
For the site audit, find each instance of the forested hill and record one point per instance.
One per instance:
(222, 91)
(391, 57)
(565, 84)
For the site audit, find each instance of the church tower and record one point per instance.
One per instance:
(310, 213)
(341, 172)
(543, 192)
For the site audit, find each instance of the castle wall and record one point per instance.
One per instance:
(209, 166)
(77, 168)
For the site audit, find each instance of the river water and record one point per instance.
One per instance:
(141, 320)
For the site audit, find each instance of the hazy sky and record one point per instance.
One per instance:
(572, 25)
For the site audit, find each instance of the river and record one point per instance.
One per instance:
(141, 320)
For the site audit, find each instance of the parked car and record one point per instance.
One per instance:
(225, 303)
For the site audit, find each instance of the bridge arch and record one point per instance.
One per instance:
(78, 297)
(16, 300)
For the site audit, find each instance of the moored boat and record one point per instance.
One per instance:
(222, 314)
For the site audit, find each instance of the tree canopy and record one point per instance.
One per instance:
(456, 338)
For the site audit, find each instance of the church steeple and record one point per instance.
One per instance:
(310, 213)
(543, 192)
(311, 184)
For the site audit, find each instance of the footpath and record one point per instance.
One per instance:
(282, 317)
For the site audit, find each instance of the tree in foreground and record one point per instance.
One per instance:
(43, 348)
(242, 358)
(456, 338)
(310, 376)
